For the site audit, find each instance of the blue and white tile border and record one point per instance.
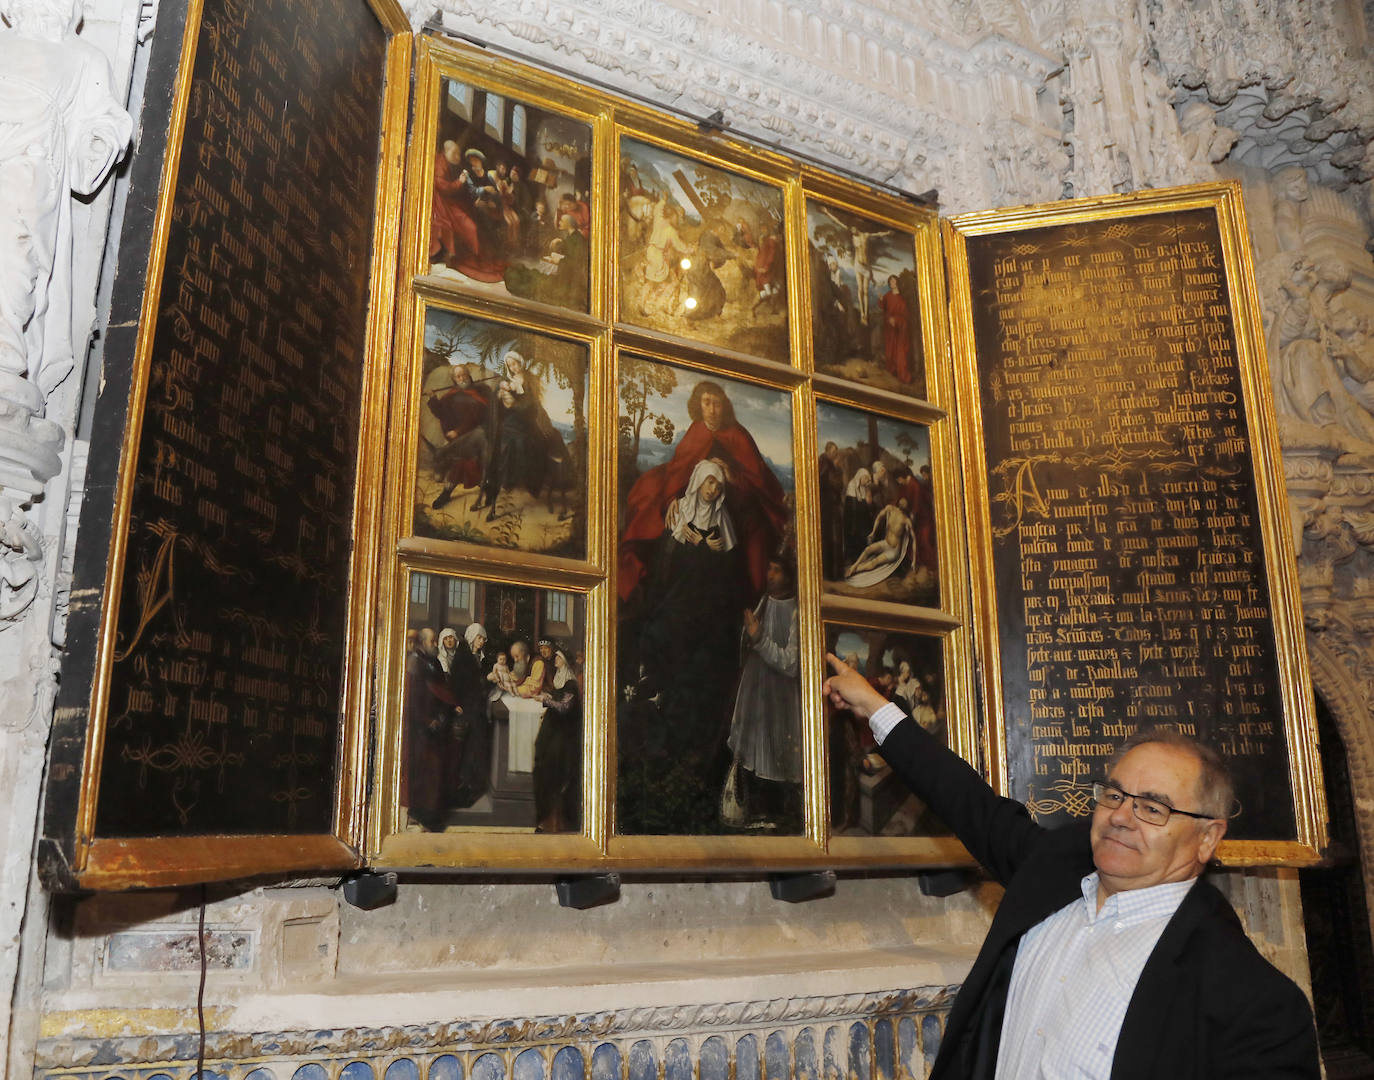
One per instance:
(872, 1036)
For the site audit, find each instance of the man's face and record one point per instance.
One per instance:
(452, 154)
(519, 651)
(546, 650)
(776, 580)
(429, 642)
(712, 410)
(1132, 854)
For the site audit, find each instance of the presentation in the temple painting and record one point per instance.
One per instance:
(491, 730)
(502, 455)
(865, 304)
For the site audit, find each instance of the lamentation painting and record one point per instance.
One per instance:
(865, 305)
(708, 710)
(501, 459)
(866, 797)
(702, 252)
(877, 503)
(492, 706)
(511, 206)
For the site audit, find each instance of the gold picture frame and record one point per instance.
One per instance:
(1172, 499)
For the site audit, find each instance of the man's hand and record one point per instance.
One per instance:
(847, 689)
(751, 624)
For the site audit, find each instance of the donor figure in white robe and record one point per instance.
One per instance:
(765, 729)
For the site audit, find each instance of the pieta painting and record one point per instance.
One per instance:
(708, 711)
(502, 454)
(492, 706)
(866, 797)
(511, 208)
(702, 252)
(877, 500)
(865, 306)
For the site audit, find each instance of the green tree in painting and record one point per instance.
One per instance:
(640, 382)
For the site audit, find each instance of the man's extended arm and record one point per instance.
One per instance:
(998, 832)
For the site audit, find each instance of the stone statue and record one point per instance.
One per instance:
(1314, 358)
(1205, 143)
(61, 132)
(1291, 191)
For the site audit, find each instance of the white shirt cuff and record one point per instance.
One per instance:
(885, 719)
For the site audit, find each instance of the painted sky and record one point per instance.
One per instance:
(764, 412)
(557, 400)
(890, 253)
(656, 168)
(849, 427)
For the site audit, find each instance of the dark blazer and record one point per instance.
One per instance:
(1207, 1005)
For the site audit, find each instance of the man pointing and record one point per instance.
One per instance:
(1107, 957)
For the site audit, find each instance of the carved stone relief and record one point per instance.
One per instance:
(1317, 290)
(60, 134)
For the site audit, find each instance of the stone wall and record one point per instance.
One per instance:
(992, 102)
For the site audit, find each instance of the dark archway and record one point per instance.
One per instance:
(1337, 924)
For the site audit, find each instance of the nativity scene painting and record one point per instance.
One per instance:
(877, 503)
(492, 730)
(702, 252)
(866, 797)
(511, 204)
(708, 709)
(865, 306)
(501, 459)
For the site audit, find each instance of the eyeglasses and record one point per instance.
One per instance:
(1145, 809)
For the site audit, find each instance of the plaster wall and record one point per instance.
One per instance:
(992, 102)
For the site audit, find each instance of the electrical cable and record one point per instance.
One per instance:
(200, 993)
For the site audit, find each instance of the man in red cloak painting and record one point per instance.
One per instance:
(466, 202)
(754, 497)
(896, 332)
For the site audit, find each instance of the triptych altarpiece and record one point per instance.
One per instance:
(493, 503)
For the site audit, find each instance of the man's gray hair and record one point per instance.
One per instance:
(1216, 791)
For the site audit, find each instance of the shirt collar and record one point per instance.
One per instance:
(1133, 906)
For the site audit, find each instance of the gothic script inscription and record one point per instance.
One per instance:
(224, 694)
(1130, 581)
